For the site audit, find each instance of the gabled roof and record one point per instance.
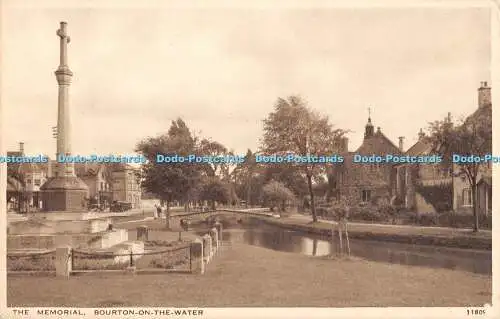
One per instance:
(419, 148)
(87, 169)
(120, 167)
(479, 113)
(30, 168)
(45, 166)
(14, 153)
(378, 144)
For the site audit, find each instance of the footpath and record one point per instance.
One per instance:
(418, 235)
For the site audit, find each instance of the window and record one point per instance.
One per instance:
(365, 195)
(37, 182)
(28, 181)
(467, 197)
(102, 186)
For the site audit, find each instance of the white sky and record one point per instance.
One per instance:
(221, 70)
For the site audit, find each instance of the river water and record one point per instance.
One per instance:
(275, 238)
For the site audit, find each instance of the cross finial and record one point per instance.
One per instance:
(61, 32)
(369, 112)
(65, 39)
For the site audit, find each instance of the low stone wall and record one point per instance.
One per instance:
(30, 241)
(100, 240)
(40, 226)
(114, 237)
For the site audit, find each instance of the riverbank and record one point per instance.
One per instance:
(438, 236)
(249, 276)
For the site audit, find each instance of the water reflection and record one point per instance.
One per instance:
(429, 256)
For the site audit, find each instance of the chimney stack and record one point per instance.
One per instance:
(484, 95)
(401, 138)
(21, 148)
(49, 168)
(345, 144)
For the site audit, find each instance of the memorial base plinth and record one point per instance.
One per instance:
(64, 194)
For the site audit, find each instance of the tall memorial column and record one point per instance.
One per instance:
(65, 191)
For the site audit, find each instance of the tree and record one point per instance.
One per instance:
(277, 195)
(293, 128)
(340, 212)
(472, 137)
(208, 147)
(289, 175)
(215, 190)
(247, 176)
(24, 196)
(172, 181)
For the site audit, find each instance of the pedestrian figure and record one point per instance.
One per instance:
(160, 209)
(155, 211)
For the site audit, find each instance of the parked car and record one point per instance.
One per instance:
(118, 206)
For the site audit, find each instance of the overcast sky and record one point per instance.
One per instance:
(221, 70)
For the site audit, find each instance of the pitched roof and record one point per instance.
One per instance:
(87, 169)
(45, 166)
(119, 167)
(480, 113)
(30, 168)
(378, 144)
(419, 148)
(15, 153)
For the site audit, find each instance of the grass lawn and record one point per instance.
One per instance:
(438, 236)
(392, 229)
(243, 275)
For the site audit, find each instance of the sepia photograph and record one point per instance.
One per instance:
(172, 158)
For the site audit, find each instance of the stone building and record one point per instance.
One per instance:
(34, 177)
(366, 183)
(430, 188)
(25, 180)
(426, 187)
(126, 186)
(14, 197)
(99, 180)
(462, 192)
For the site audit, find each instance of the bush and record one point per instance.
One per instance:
(322, 211)
(446, 219)
(367, 214)
(440, 195)
(33, 263)
(98, 263)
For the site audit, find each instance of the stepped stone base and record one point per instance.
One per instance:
(100, 240)
(137, 247)
(66, 215)
(65, 193)
(35, 226)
